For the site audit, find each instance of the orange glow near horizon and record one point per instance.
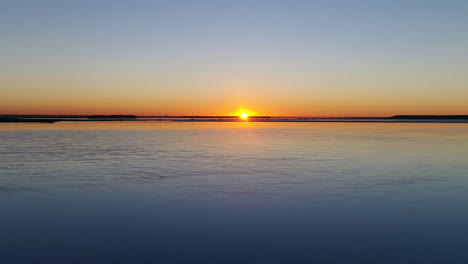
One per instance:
(244, 116)
(150, 105)
(319, 109)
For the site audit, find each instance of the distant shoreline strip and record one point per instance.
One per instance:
(107, 118)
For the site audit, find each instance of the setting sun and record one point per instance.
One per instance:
(244, 116)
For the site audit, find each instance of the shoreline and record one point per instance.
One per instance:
(321, 120)
(133, 118)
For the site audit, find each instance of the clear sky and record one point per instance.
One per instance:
(200, 57)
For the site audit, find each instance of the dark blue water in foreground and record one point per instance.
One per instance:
(234, 193)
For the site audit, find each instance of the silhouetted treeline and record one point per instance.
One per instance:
(429, 117)
(112, 116)
(8, 119)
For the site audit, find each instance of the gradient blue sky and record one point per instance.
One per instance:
(326, 58)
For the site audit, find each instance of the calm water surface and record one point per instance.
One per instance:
(233, 193)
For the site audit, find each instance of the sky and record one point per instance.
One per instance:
(206, 57)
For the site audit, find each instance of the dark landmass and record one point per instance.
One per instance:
(112, 117)
(437, 117)
(84, 118)
(39, 116)
(58, 118)
(4, 119)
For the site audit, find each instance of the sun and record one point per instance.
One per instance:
(244, 116)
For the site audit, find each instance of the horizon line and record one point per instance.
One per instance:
(227, 116)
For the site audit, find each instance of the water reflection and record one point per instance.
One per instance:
(104, 192)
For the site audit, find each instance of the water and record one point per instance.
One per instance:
(233, 193)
